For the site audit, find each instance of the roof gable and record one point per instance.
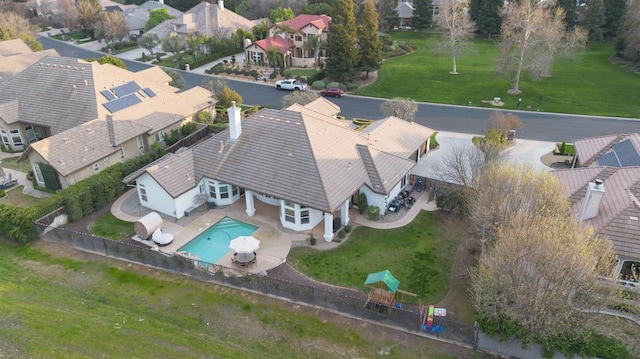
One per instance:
(300, 21)
(174, 172)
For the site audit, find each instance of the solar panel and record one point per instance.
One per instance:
(122, 103)
(627, 153)
(149, 92)
(128, 88)
(609, 159)
(108, 95)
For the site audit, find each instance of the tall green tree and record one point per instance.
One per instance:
(149, 41)
(422, 15)
(174, 44)
(629, 34)
(368, 41)
(487, 15)
(614, 11)
(594, 19)
(156, 17)
(342, 52)
(387, 15)
(280, 13)
(570, 12)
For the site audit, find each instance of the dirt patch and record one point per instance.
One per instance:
(556, 161)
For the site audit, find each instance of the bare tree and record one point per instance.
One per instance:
(299, 97)
(504, 122)
(111, 26)
(14, 26)
(88, 11)
(533, 34)
(630, 32)
(541, 277)
(215, 85)
(68, 14)
(404, 108)
(454, 16)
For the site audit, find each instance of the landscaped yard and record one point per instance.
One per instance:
(15, 197)
(419, 255)
(92, 306)
(10, 162)
(108, 226)
(591, 85)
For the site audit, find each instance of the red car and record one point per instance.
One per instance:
(333, 91)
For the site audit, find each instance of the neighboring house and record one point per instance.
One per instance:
(405, 13)
(15, 56)
(618, 150)
(57, 95)
(292, 45)
(205, 19)
(308, 164)
(137, 17)
(608, 199)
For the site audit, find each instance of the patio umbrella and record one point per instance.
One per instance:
(244, 244)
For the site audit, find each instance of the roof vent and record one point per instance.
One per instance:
(66, 140)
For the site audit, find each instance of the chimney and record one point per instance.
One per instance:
(221, 4)
(112, 131)
(161, 2)
(591, 205)
(235, 119)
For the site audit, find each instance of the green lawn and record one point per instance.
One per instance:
(56, 307)
(419, 255)
(15, 197)
(10, 162)
(108, 226)
(301, 72)
(591, 85)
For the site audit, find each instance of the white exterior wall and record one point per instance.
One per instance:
(376, 199)
(315, 217)
(157, 198)
(185, 201)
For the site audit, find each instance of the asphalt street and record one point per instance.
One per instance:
(540, 126)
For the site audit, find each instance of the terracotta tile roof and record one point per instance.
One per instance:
(14, 47)
(300, 21)
(281, 43)
(84, 145)
(323, 106)
(619, 206)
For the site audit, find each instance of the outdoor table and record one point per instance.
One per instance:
(244, 258)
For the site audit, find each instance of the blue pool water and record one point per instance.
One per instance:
(213, 243)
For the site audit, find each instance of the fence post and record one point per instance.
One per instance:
(106, 248)
(475, 335)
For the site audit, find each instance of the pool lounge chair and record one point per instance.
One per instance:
(161, 238)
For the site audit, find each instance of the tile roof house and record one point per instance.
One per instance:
(617, 150)
(308, 164)
(405, 12)
(608, 199)
(137, 17)
(205, 18)
(292, 45)
(16, 56)
(67, 93)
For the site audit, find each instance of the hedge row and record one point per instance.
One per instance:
(81, 199)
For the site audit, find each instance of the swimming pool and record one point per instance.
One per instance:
(213, 243)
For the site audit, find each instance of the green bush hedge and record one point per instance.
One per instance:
(318, 85)
(81, 199)
(373, 212)
(362, 203)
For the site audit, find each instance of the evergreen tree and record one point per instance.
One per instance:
(341, 50)
(594, 19)
(571, 12)
(387, 15)
(422, 15)
(368, 40)
(486, 15)
(614, 11)
(629, 34)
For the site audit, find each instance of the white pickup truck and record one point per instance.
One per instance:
(291, 85)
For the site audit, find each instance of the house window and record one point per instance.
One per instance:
(290, 215)
(304, 216)
(224, 192)
(257, 56)
(235, 190)
(121, 151)
(16, 138)
(96, 167)
(436, 10)
(5, 138)
(140, 143)
(31, 134)
(298, 38)
(212, 191)
(38, 173)
(159, 136)
(143, 193)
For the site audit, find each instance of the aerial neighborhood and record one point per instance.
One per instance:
(436, 177)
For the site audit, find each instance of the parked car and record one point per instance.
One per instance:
(291, 85)
(333, 91)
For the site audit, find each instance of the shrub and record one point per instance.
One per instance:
(343, 234)
(351, 86)
(373, 212)
(2, 193)
(362, 203)
(348, 228)
(318, 85)
(273, 75)
(333, 84)
(317, 76)
(226, 96)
